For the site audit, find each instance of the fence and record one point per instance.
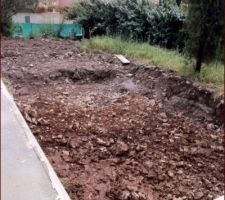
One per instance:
(30, 29)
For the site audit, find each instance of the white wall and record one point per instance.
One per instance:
(39, 18)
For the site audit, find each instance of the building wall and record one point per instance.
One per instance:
(39, 18)
(63, 3)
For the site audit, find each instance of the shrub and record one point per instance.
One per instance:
(47, 30)
(135, 19)
(132, 18)
(166, 23)
(96, 16)
(6, 15)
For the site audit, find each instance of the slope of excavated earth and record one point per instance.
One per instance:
(116, 132)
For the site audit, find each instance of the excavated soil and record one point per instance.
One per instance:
(115, 132)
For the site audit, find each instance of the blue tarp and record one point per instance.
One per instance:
(35, 30)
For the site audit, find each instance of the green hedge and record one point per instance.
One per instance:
(135, 19)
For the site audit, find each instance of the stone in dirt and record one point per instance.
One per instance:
(120, 148)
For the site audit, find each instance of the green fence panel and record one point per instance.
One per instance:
(30, 29)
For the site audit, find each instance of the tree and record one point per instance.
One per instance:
(205, 30)
(10, 7)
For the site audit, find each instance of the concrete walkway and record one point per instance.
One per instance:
(25, 172)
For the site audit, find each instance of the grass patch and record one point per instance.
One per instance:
(211, 73)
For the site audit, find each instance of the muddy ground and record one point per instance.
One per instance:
(115, 132)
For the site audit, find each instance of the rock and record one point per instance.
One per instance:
(33, 113)
(163, 94)
(188, 82)
(102, 142)
(132, 188)
(125, 109)
(152, 102)
(171, 174)
(141, 147)
(111, 141)
(125, 195)
(210, 126)
(70, 127)
(42, 121)
(178, 198)
(69, 54)
(160, 105)
(53, 54)
(31, 65)
(73, 144)
(165, 124)
(129, 75)
(198, 195)
(134, 196)
(67, 153)
(163, 115)
(113, 114)
(77, 124)
(121, 148)
(164, 120)
(210, 196)
(65, 93)
(148, 164)
(27, 117)
(59, 136)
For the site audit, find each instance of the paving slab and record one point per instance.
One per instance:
(25, 171)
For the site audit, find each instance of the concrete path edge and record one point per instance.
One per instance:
(32, 143)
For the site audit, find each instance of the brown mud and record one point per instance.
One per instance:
(116, 132)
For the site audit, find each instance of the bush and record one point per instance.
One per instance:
(6, 21)
(47, 30)
(96, 16)
(6, 26)
(166, 23)
(132, 18)
(135, 19)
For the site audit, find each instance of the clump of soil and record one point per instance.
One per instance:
(117, 132)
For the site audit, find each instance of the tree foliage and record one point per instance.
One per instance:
(205, 27)
(165, 25)
(135, 19)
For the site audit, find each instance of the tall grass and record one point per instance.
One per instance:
(156, 55)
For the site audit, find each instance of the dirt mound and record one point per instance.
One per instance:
(180, 92)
